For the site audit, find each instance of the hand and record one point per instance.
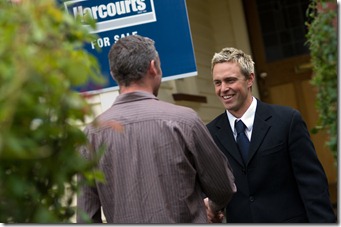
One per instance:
(213, 217)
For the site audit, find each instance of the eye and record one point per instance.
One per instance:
(231, 80)
(216, 83)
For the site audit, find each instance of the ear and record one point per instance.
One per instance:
(152, 67)
(251, 80)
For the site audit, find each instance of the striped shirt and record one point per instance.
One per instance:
(158, 161)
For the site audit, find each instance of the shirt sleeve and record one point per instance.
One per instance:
(214, 171)
(88, 201)
(88, 204)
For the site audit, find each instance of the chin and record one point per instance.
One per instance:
(229, 107)
(227, 104)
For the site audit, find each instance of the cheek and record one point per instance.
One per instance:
(217, 90)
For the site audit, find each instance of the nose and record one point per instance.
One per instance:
(224, 87)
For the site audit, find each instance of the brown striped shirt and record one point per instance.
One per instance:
(159, 159)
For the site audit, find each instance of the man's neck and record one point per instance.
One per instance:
(135, 87)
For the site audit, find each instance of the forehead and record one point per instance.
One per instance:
(226, 69)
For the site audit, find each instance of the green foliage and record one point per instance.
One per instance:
(322, 40)
(42, 59)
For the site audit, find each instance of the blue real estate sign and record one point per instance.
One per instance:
(165, 21)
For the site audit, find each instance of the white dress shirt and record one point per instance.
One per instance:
(247, 118)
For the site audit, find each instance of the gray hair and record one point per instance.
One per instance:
(230, 54)
(129, 58)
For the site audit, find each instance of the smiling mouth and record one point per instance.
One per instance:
(225, 97)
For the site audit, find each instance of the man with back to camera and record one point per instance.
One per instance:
(159, 158)
(277, 172)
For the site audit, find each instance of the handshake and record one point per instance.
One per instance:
(213, 215)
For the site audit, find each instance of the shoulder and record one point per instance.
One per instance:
(217, 121)
(278, 112)
(275, 108)
(174, 107)
(169, 111)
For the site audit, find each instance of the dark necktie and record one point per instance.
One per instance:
(242, 140)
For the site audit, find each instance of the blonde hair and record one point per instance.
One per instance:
(230, 54)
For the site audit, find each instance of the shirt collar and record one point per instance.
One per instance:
(247, 118)
(133, 96)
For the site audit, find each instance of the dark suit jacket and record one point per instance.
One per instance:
(283, 180)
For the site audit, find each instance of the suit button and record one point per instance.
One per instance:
(251, 198)
(243, 171)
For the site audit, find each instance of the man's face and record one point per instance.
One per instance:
(232, 87)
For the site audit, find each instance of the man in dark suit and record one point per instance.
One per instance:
(280, 179)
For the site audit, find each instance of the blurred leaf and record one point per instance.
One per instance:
(323, 42)
(42, 59)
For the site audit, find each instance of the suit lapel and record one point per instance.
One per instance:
(260, 128)
(225, 137)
